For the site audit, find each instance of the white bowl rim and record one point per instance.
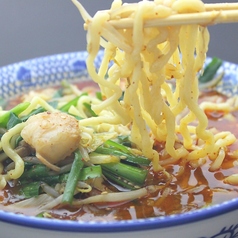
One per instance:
(121, 226)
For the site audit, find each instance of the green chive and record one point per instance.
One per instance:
(73, 102)
(73, 178)
(99, 95)
(36, 172)
(210, 70)
(123, 152)
(89, 111)
(133, 175)
(13, 120)
(86, 173)
(16, 110)
(31, 190)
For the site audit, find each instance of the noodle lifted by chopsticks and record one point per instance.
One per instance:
(148, 59)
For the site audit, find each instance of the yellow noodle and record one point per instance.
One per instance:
(225, 107)
(232, 179)
(36, 102)
(218, 161)
(148, 59)
(19, 164)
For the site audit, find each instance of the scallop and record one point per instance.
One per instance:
(53, 135)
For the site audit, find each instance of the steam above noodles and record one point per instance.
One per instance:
(159, 68)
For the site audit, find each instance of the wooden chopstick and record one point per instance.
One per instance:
(214, 14)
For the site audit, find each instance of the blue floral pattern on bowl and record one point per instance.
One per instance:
(226, 232)
(46, 71)
(228, 84)
(42, 72)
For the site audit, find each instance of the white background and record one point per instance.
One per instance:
(34, 28)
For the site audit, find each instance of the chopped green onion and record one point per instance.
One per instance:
(41, 215)
(210, 70)
(36, 172)
(119, 181)
(124, 140)
(73, 178)
(123, 152)
(99, 95)
(16, 110)
(131, 174)
(73, 102)
(34, 112)
(31, 189)
(89, 112)
(13, 120)
(39, 110)
(86, 173)
(90, 172)
(117, 146)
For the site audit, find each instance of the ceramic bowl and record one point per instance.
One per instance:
(220, 221)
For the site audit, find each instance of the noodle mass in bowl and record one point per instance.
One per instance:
(138, 148)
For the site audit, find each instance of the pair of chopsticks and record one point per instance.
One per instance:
(214, 14)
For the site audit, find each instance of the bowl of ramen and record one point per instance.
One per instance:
(131, 138)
